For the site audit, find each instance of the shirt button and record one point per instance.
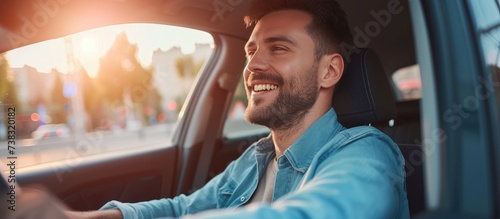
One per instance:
(242, 199)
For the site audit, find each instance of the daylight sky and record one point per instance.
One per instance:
(89, 45)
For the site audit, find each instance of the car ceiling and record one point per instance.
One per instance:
(394, 43)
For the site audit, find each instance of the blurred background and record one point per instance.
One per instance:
(99, 90)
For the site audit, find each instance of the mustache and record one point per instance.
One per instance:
(276, 79)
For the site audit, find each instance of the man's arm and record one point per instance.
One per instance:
(104, 214)
(201, 200)
(36, 202)
(364, 179)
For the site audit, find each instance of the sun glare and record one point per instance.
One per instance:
(87, 52)
(89, 46)
(43, 56)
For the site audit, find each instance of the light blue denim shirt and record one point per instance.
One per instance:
(329, 172)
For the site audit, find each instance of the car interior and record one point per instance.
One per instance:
(199, 149)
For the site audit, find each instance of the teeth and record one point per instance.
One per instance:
(264, 87)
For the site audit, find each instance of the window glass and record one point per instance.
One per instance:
(97, 91)
(487, 16)
(407, 82)
(236, 125)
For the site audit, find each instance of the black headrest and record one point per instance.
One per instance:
(363, 95)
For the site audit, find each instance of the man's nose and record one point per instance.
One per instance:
(258, 62)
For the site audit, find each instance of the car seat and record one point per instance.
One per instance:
(364, 97)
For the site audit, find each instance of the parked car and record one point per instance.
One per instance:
(51, 131)
(447, 128)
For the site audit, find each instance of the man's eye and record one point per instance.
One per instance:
(249, 54)
(278, 48)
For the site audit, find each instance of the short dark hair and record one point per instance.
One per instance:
(329, 27)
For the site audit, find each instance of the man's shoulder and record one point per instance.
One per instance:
(361, 132)
(360, 137)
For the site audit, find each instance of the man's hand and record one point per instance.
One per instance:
(35, 203)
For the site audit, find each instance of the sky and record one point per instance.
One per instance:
(89, 46)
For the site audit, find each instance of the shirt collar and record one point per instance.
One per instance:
(265, 145)
(301, 153)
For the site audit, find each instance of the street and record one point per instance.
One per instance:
(29, 152)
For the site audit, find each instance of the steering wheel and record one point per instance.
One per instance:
(41, 205)
(3, 181)
(7, 194)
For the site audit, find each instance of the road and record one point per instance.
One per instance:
(30, 151)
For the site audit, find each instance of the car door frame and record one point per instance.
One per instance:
(452, 66)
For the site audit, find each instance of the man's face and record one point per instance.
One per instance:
(281, 76)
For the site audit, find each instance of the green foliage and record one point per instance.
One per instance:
(180, 65)
(8, 89)
(4, 71)
(186, 66)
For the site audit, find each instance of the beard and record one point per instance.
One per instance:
(292, 103)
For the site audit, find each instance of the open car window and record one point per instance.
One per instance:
(97, 91)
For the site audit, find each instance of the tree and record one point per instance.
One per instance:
(59, 101)
(8, 89)
(112, 70)
(121, 77)
(4, 73)
(121, 72)
(187, 69)
(92, 99)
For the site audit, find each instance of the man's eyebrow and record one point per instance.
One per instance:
(280, 39)
(273, 40)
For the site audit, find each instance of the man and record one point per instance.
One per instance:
(310, 166)
(305, 169)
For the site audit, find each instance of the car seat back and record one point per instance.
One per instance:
(364, 97)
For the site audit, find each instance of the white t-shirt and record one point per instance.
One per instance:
(265, 188)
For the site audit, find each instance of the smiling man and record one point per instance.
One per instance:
(288, 86)
(310, 166)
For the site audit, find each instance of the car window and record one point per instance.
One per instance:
(487, 17)
(407, 83)
(96, 91)
(236, 125)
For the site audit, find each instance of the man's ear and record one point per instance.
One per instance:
(333, 68)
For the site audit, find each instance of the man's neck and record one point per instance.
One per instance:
(283, 139)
